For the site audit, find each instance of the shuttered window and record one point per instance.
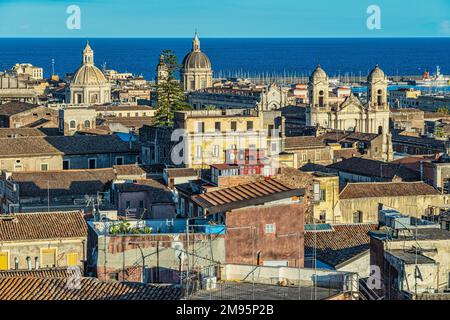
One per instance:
(48, 257)
(4, 263)
(72, 259)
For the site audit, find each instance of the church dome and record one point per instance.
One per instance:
(88, 73)
(376, 73)
(318, 74)
(196, 59)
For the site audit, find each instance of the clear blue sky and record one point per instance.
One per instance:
(224, 18)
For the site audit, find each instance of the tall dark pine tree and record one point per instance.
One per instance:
(170, 96)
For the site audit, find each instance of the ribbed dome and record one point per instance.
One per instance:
(318, 74)
(89, 75)
(196, 60)
(376, 73)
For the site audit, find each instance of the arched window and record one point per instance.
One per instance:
(380, 130)
(321, 98)
(380, 97)
(72, 124)
(87, 124)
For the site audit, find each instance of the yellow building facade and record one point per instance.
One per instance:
(326, 198)
(209, 136)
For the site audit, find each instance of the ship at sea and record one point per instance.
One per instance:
(437, 80)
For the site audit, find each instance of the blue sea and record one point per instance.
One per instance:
(249, 56)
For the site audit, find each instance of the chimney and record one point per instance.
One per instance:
(29, 263)
(36, 263)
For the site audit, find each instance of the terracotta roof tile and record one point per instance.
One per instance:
(245, 195)
(41, 273)
(303, 142)
(62, 182)
(374, 168)
(11, 108)
(36, 226)
(339, 245)
(31, 288)
(389, 189)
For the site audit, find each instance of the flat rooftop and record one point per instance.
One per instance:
(258, 291)
(409, 257)
(422, 234)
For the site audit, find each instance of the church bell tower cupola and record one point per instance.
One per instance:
(318, 89)
(377, 89)
(88, 55)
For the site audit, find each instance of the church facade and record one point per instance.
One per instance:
(352, 114)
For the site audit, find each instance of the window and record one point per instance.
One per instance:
(182, 206)
(191, 209)
(44, 166)
(217, 126)
(233, 126)
(141, 204)
(216, 151)
(113, 276)
(200, 127)
(249, 125)
(316, 192)
(270, 130)
(128, 204)
(358, 217)
(4, 261)
(323, 195)
(323, 217)
(152, 153)
(200, 211)
(128, 114)
(321, 104)
(380, 97)
(119, 161)
(72, 124)
(92, 163)
(274, 147)
(66, 164)
(72, 259)
(48, 257)
(87, 124)
(270, 228)
(198, 152)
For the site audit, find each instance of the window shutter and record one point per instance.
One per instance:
(48, 257)
(4, 265)
(72, 259)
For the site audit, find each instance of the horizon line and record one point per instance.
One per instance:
(227, 37)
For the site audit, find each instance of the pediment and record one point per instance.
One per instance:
(351, 105)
